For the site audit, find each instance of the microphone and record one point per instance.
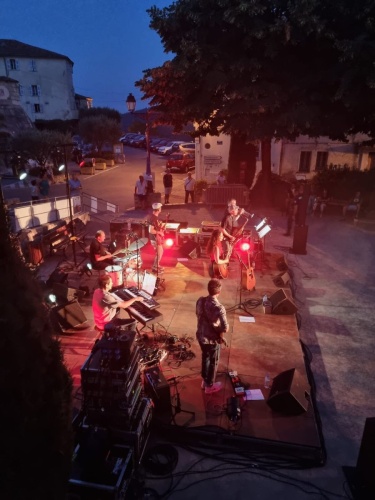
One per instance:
(246, 214)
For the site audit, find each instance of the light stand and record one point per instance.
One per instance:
(67, 185)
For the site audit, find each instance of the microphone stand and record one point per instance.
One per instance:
(177, 408)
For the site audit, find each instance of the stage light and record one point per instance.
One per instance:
(22, 175)
(52, 298)
(245, 246)
(61, 168)
(169, 242)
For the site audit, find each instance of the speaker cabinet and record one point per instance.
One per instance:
(282, 280)
(300, 240)
(287, 396)
(157, 388)
(64, 293)
(281, 264)
(361, 479)
(190, 249)
(70, 315)
(281, 304)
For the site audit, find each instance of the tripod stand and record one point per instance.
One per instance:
(176, 410)
(241, 305)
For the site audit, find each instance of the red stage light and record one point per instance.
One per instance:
(245, 246)
(169, 242)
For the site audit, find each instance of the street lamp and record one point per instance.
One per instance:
(131, 104)
(67, 185)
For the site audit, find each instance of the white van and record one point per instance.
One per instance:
(171, 147)
(187, 147)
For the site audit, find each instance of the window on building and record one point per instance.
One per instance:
(321, 160)
(35, 90)
(32, 65)
(305, 161)
(38, 108)
(20, 89)
(13, 64)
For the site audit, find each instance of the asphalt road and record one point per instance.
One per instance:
(115, 185)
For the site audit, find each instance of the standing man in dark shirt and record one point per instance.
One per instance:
(212, 324)
(99, 256)
(156, 236)
(168, 184)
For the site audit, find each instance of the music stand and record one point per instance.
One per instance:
(262, 229)
(241, 305)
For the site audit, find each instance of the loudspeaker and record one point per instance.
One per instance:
(300, 240)
(157, 388)
(281, 304)
(190, 249)
(282, 280)
(286, 395)
(281, 264)
(67, 294)
(361, 479)
(70, 315)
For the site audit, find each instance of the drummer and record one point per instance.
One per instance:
(99, 256)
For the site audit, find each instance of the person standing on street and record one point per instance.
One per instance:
(212, 324)
(168, 184)
(189, 185)
(44, 187)
(75, 185)
(140, 191)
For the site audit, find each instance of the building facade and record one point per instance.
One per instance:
(45, 80)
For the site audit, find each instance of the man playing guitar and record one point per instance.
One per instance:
(156, 236)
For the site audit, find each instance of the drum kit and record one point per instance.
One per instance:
(127, 265)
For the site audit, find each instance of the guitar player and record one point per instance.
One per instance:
(215, 252)
(156, 236)
(233, 224)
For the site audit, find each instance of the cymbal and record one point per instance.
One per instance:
(136, 245)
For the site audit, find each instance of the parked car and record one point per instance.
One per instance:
(126, 137)
(187, 147)
(181, 162)
(170, 148)
(155, 146)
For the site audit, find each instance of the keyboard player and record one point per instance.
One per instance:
(106, 308)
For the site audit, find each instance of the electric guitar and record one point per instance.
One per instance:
(161, 227)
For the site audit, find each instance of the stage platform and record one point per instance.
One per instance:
(270, 344)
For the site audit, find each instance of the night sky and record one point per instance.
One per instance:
(109, 41)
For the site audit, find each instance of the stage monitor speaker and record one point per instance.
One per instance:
(281, 264)
(190, 249)
(282, 280)
(286, 394)
(157, 388)
(281, 304)
(300, 240)
(63, 292)
(70, 315)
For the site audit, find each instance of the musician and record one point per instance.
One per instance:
(212, 324)
(215, 250)
(99, 256)
(106, 308)
(156, 235)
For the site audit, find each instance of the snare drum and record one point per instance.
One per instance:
(115, 272)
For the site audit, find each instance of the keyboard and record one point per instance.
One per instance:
(129, 293)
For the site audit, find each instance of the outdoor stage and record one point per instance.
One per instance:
(287, 426)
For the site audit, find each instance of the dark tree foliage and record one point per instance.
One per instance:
(35, 387)
(99, 129)
(263, 69)
(110, 113)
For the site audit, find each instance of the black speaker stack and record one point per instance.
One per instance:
(112, 391)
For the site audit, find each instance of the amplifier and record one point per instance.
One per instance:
(137, 433)
(100, 470)
(111, 392)
(117, 350)
(104, 416)
(157, 388)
